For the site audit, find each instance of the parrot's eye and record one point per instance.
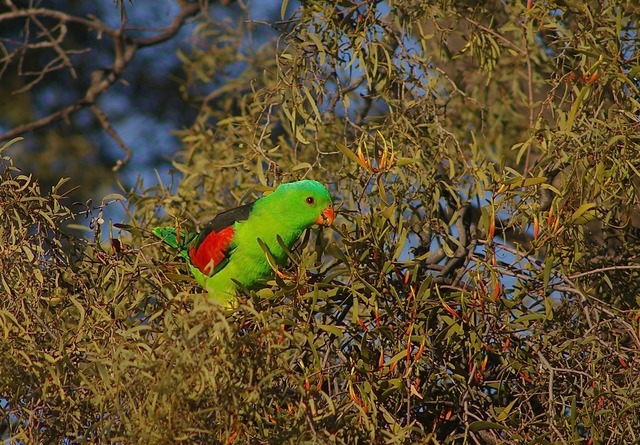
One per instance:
(310, 200)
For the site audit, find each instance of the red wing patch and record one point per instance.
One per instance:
(212, 250)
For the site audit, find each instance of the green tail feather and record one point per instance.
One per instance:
(168, 235)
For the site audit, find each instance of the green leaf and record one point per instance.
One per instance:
(503, 413)
(486, 425)
(348, 153)
(333, 330)
(114, 197)
(584, 214)
(80, 227)
(399, 356)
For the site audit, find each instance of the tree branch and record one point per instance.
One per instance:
(125, 48)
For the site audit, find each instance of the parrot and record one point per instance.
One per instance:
(227, 250)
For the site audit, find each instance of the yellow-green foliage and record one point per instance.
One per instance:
(478, 286)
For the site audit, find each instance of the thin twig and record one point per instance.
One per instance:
(604, 269)
(103, 119)
(551, 410)
(530, 105)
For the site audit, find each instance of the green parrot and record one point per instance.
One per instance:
(227, 249)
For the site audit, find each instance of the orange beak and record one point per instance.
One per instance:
(326, 217)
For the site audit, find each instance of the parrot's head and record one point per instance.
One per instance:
(304, 203)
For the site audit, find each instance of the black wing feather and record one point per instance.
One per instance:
(223, 220)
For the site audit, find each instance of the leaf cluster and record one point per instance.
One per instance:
(478, 286)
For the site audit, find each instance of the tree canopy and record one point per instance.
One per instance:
(479, 284)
